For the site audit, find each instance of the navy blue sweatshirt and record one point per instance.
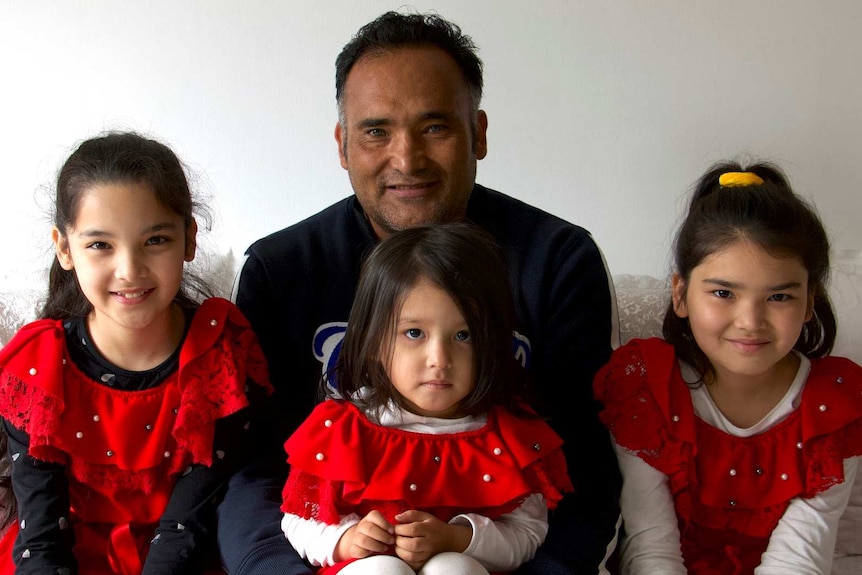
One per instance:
(296, 287)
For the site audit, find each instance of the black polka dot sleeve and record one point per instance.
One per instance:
(186, 529)
(45, 540)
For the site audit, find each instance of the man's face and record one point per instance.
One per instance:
(407, 142)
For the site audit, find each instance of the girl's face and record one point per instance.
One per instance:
(127, 251)
(746, 309)
(431, 364)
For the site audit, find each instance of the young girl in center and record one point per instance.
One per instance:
(425, 458)
(128, 405)
(738, 436)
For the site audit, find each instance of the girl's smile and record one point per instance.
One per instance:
(746, 309)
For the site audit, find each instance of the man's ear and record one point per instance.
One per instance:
(191, 240)
(480, 145)
(341, 138)
(678, 288)
(61, 246)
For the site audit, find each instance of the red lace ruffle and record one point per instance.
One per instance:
(214, 368)
(635, 418)
(31, 378)
(343, 463)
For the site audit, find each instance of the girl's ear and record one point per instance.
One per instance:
(809, 309)
(678, 295)
(61, 246)
(191, 240)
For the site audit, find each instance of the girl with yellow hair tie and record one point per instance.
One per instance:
(737, 434)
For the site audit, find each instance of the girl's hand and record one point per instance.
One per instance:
(419, 536)
(371, 536)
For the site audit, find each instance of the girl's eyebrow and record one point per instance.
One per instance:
(94, 233)
(160, 226)
(157, 227)
(732, 285)
(786, 286)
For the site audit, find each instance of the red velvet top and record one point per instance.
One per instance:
(123, 450)
(730, 492)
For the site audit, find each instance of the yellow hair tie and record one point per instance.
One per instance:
(739, 179)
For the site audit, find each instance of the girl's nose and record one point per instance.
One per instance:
(129, 266)
(750, 315)
(438, 356)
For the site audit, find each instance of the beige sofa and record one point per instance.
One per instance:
(641, 302)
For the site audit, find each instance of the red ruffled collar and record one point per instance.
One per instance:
(104, 433)
(648, 408)
(494, 467)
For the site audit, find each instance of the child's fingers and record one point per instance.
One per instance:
(376, 518)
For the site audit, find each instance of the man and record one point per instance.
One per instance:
(410, 132)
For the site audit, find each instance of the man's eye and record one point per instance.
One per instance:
(156, 240)
(376, 132)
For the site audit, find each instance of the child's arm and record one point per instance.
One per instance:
(316, 541)
(44, 543)
(506, 543)
(803, 542)
(189, 518)
(652, 540)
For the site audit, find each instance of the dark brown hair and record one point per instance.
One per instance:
(465, 262)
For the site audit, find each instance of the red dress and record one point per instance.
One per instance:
(726, 517)
(123, 450)
(343, 463)
(7, 566)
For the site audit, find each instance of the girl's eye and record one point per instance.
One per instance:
(156, 240)
(722, 293)
(462, 336)
(413, 333)
(780, 297)
(98, 246)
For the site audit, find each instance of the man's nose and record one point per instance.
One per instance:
(408, 152)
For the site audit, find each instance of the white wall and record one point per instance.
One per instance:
(604, 112)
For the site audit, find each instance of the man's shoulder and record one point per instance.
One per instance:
(505, 215)
(329, 220)
(332, 234)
